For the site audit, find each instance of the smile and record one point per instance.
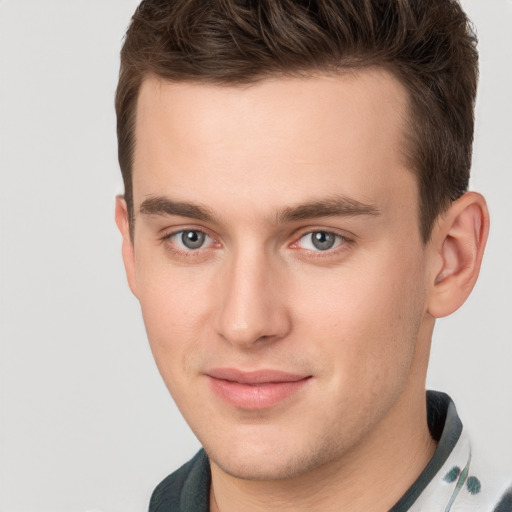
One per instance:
(256, 390)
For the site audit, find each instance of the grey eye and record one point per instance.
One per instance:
(192, 239)
(322, 240)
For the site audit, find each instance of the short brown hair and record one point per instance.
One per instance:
(429, 45)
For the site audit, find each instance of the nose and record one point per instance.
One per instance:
(252, 308)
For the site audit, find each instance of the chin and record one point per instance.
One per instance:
(260, 469)
(270, 462)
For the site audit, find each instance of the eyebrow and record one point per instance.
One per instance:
(163, 206)
(335, 206)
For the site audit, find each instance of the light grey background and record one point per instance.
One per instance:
(86, 422)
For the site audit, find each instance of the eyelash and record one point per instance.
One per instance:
(190, 253)
(342, 243)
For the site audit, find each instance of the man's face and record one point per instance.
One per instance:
(279, 265)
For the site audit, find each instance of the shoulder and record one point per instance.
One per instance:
(488, 487)
(186, 489)
(488, 484)
(459, 477)
(505, 503)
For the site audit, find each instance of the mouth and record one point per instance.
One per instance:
(255, 390)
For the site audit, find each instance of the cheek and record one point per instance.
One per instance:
(172, 330)
(171, 296)
(365, 318)
(175, 307)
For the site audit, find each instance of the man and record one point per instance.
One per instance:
(295, 218)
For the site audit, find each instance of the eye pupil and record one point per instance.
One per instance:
(322, 240)
(192, 239)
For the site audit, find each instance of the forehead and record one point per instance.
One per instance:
(281, 139)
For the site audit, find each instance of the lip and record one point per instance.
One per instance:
(255, 390)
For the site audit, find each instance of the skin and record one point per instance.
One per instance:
(357, 319)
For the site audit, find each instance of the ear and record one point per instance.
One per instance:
(128, 251)
(459, 241)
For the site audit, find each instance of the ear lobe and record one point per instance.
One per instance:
(459, 239)
(127, 249)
